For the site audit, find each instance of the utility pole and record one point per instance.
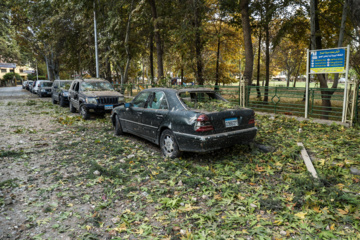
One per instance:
(96, 47)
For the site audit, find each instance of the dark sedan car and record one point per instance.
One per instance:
(178, 120)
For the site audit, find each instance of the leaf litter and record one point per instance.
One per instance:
(74, 179)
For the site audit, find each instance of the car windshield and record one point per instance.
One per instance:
(96, 86)
(46, 84)
(65, 85)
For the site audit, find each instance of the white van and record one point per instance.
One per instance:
(37, 85)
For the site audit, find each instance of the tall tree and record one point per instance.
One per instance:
(159, 48)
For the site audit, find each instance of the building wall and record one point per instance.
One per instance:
(21, 70)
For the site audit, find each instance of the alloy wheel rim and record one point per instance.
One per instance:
(168, 144)
(83, 112)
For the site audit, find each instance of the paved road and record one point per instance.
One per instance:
(15, 92)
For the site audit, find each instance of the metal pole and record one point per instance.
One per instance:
(307, 85)
(37, 75)
(346, 83)
(96, 47)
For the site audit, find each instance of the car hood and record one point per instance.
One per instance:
(103, 94)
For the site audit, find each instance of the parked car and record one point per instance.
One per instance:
(31, 87)
(168, 117)
(37, 85)
(28, 84)
(24, 84)
(342, 80)
(44, 88)
(93, 96)
(60, 92)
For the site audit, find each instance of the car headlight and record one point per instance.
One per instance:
(65, 94)
(91, 100)
(121, 99)
(43, 90)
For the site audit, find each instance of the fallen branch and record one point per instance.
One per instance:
(307, 160)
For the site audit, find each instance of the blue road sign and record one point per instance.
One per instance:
(327, 61)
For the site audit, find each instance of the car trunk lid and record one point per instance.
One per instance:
(230, 120)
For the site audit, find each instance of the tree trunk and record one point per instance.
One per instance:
(159, 49)
(249, 57)
(125, 78)
(341, 38)
(316, 44)
(217, 75)
(267, 61)
(258, 67)
(198, 44)
(151, 56)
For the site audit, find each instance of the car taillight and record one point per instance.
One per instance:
(252, 119)
(203, 124)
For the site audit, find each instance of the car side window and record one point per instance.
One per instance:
(76, 88)
(158, 101)
(140, 100)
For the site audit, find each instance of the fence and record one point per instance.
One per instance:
(279, 99)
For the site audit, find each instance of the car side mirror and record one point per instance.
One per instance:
(128, 105)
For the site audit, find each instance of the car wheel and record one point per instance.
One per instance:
(72, 108)
(61, 101)
(117, 128)
(168, 145)
(53, 100)
(84, 112)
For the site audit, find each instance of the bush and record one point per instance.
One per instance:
(33, 77)
(10, 76)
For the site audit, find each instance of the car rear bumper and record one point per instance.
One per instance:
(196, 143)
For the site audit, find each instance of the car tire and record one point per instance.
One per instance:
(84, 112)
(168, 144)
(72, 108)
(53, 100)
(117, 128)
(61, 101)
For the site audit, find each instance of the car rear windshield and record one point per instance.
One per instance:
(46, 84)
(209, 101)
(96, 86)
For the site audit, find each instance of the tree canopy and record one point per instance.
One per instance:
(202, 41)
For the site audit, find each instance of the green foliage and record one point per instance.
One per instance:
(10, 76)
(33, 77)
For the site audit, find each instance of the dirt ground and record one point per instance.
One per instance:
(39, 161)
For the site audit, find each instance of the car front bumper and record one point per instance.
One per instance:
(45, 93)
(206, 143)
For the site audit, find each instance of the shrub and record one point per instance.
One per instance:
(10, 76)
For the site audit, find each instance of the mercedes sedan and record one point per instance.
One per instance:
(192, 120)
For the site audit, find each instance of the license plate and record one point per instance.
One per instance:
(108, 107)
(231, 122)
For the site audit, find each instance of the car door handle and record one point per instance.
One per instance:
(159, 115)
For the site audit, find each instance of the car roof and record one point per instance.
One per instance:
(181, 90)
(92, 80)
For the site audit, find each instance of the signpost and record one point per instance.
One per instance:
(327, 61)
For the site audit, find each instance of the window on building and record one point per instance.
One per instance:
(3, 70)
(11, 70)
(21, 70)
